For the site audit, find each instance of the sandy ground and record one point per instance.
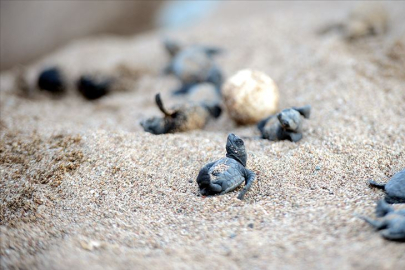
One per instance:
(83, 187)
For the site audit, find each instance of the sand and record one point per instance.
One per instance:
(83, 187)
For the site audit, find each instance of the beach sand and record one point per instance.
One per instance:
(84, 187)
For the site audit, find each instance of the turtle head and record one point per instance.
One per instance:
(235, 148)
(154, 125)
(161, 125)
(289, 119)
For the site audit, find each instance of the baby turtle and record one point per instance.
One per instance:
(394, 189)
(226, 174)
(391, 224)
(93, 88)
(181, 118)
(365, 19)
(51, 80)
(285, 125)
(193, 65)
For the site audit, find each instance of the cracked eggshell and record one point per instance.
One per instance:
(250, 96)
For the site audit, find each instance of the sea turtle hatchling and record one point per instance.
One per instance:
(392, 222)
(193, 65)
(92, 87)
(228, 173)
(52, 80)
(365, 19)
(182, 118)
(394, 189)
(286, 125)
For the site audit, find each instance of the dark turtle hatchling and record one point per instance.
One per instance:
(51, 80)
(366, 19)
(92, 87)
(394, 189)
(391, 224)
(193, 65)
(228, 173)
(286, 125)
(181, 118)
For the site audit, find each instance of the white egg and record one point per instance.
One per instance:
(250, 96)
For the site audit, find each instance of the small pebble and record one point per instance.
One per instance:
(317, 168)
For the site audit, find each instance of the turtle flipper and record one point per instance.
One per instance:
(159, 103)
(248, 183)
(295, 137)
(375, 184)
(383, 208)
(392, 200)
(392, 235)
(204, 181)
(378, 225)
(304, 111)
(215, 188)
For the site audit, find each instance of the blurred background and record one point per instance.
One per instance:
(31, 29)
